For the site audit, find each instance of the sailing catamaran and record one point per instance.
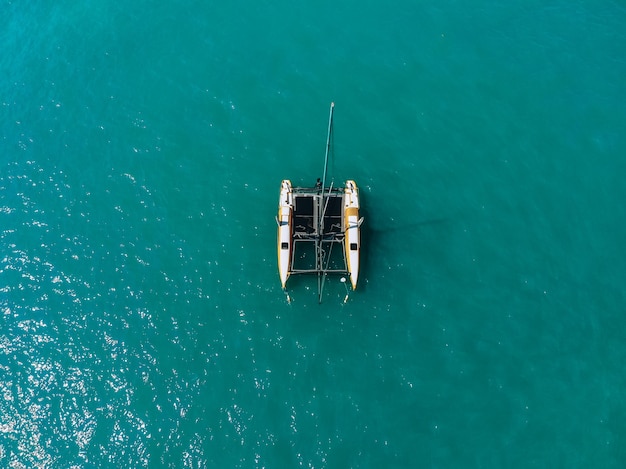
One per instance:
(322, 223)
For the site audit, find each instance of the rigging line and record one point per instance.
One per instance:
(328, 140)
(332, 154)
(326, 204)
(330, 251)
(320, 261)
(325, 272)
(322, 253)
(319, 254)
(320, 223)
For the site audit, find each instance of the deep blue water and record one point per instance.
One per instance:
(142, 322)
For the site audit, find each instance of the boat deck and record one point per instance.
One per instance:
(318, 231)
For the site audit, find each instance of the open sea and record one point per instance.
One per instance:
(142, 323)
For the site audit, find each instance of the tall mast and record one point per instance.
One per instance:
(320, 225)
(320, 254)
(330, 131)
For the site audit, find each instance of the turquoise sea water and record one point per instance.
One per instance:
(141, 151)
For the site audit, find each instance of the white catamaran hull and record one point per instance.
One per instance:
(285, 225)
(352, 228)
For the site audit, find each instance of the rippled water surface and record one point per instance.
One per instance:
(141, 318)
